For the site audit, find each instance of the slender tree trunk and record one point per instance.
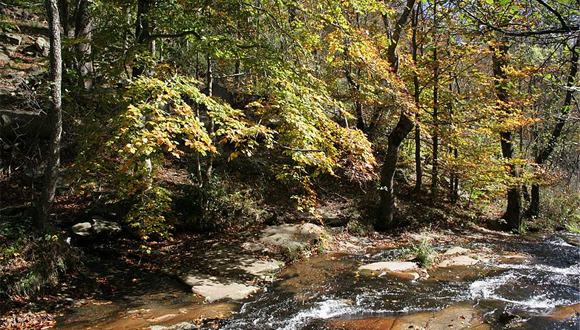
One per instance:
(453, 177)
(360, 123)
(435, 168)
(83, 50)
(142, 32)
(417, 97)
(386, 213)
(418, 163)
(53, 164)
(544, 154)
(513, 214)
(211, 127)
(454, 180)
(64, 17)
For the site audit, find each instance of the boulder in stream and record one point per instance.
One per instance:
(293, 238)
(453, 317)
(98, 226)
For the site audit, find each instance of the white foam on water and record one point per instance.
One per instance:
(572, 270)
(322, 310)
(539, 302)
(559, 241)
(486, 289)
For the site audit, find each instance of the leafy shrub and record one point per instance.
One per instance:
(221, 205)
(423, 252)
(157, 120)
(29, 263)
(560, 208)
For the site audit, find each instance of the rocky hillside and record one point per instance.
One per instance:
(24, 49)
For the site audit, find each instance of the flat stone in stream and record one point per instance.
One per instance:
(387, 267)
(214, 288)
(458, 261)
(263, 268)
(453, 317)
(513, 258)
(228, 272)
(456, 250)
(572, 239)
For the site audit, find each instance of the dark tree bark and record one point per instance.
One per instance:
(453, 177)
(51, 174)
(64, 17)
(83, 26)
(454, 181)
(513, 214)
(435, 167)
(417, 95)
(142, 31)
(545, 153)
(386, 219)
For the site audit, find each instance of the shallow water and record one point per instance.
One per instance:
(326, 289)
(515, 296)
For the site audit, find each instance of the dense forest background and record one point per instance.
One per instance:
(215, 116)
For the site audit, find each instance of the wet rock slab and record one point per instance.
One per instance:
(453, 317)
(513, 258)
(228, 272)
(458, 261)
(393, 267)
(292, 236)
(561, 313)
(214, 288)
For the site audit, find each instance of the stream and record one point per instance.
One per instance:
(326, 292)
(525, 292)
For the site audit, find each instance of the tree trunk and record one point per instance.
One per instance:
(435, 168)
(53, 163)
(417, 97)
(454, 180)
(142, 32)
(386, 219)
(513, 214)
(360, 123)
(83, 50)
(64, 17)
(543, 156)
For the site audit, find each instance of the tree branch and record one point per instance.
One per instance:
(560, 30)
(176, 35)
(555, 12)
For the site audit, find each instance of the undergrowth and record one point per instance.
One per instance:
(423, 252)
(31, 263)
(560, 209)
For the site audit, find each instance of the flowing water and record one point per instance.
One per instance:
(509, 295)
(326, 290)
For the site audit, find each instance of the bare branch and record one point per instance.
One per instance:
(555, 12)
